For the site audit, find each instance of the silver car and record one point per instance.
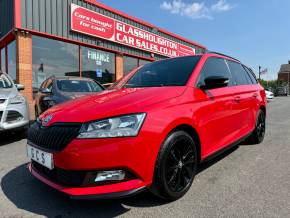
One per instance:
(14, 112)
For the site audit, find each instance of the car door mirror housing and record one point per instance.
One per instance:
(19, 87)
(45, 91)
(213, 82)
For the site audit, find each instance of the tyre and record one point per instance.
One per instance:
(258, 134)
(175, 166)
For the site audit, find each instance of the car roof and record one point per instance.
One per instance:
(220, 55)
(70, 78)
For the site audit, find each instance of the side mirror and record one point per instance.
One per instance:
(45, 91)
(19, 87)
(213, 82)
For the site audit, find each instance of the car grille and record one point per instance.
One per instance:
(53, 138)
(2, 101)
(13, 116)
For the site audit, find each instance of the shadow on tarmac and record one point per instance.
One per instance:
(29, 194)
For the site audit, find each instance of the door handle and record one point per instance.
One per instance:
(237, 99)
(255, 95)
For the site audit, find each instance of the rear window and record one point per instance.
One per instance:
(169, 72)
(78, 86)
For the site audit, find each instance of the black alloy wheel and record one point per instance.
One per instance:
(179, 165)
(258, 134)
(261, 126)
(175, 167)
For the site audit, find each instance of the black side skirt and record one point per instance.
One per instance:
(214, 155)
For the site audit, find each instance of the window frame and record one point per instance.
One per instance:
(201, 71)
(246, 76)
(250, 72)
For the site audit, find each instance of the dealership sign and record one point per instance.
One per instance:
(89, 22)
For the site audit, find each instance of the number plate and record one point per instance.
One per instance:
(41, 157)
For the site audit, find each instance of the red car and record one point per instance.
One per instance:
(150, 131)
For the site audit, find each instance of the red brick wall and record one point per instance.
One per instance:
(24, 67)
(284, 77)
(119, 66)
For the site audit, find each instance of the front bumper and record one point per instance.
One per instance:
(13, 116)
(119, 190)
(135, 155)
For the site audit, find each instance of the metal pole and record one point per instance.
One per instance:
(260, 72)
(288, 84)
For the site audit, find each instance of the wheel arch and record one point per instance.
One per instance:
(193, 133)
(263, 108)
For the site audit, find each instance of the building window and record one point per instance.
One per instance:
(11, 50)
(98, 65)
(3, 60)
(129, 64)
(53, 58)
(143, 62)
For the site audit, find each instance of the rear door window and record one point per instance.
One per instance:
(251, 75)
(240, 75)
(214, 67)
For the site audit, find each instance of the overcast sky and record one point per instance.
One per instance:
(255, 31)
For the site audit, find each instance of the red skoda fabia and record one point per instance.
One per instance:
(150, 130)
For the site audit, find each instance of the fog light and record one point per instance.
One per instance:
(114, 175)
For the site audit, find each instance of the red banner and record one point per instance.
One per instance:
(89, 22)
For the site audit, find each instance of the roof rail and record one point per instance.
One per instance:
(217, 53)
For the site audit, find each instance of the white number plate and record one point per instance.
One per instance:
(41, 157)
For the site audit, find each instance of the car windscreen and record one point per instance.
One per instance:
(5, 82)
(78, 86)
(169, 72)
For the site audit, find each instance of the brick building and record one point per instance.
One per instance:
(41, 38)
(284, 74)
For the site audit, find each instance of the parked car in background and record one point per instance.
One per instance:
(55, 90)
(150, 131)
(14, 112)
(281, 91)
(269, 95)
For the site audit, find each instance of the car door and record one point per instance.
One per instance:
(215, 117)
(245, 99)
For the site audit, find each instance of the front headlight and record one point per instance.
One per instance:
(123, 126)
(18, 99)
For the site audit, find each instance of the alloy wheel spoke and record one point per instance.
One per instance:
(173, 155)
(178, 181)
(173, 176)
(188, 152)
(189, 161)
